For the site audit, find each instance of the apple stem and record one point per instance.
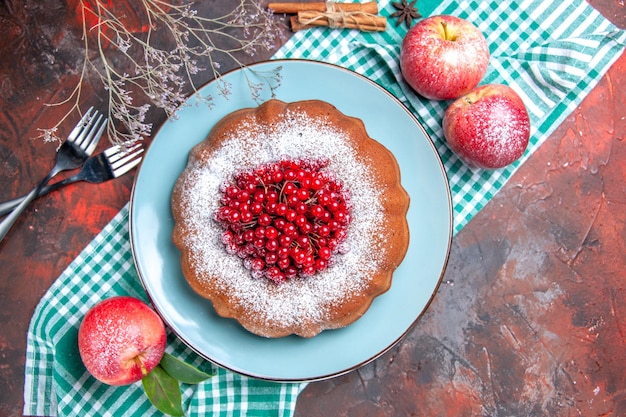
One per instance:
(447, 36)
(139, 361)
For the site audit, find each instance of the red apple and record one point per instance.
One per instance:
(443, 57)
(489, 127)
(121, 340)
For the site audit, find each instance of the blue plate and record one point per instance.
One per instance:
(333, 352)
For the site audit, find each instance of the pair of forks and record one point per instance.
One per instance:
(75, 152)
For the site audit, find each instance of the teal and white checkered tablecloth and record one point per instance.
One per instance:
(553, 53)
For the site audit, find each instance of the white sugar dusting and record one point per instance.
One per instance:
(501, 136)
(301, 299)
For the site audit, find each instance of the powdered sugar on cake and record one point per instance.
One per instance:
(297, 300)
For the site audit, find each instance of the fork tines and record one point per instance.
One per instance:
(123, 158)
(91, 126)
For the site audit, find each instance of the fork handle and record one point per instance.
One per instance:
(9, 205)
(9, 220)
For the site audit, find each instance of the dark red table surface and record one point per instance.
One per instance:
(530, 319)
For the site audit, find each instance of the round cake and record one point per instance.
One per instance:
(290, 218)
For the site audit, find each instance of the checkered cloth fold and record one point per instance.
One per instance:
(552, 53)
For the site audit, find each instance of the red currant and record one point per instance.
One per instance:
(303, 194)
(271, 245)
(271, 233)
(290, 188)
(289, 175)
(271, 195)
(232, 191)
(264, 219)
(317, 211)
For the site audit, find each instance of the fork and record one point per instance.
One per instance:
(74, 151)
(110, 164)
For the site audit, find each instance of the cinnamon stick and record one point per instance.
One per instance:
(295, 7)
(368, 23)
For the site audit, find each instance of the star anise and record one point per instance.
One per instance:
(406, 12)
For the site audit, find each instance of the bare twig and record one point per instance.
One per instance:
(158, 76)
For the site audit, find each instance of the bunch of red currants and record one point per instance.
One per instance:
(284, 219)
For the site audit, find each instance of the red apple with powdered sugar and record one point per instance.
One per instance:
(489, 127)
(443, 57)
(121, 340)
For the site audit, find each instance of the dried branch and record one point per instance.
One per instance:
(163, 76)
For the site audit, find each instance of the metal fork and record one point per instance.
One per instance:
(79, 144)
(112, 163)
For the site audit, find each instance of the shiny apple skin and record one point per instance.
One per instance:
(489, 127)
(121, 340)
(443, 57)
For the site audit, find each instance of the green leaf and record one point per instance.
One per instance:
(163, 392)
(182, 371)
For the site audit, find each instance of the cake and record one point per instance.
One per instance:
(290, 219)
